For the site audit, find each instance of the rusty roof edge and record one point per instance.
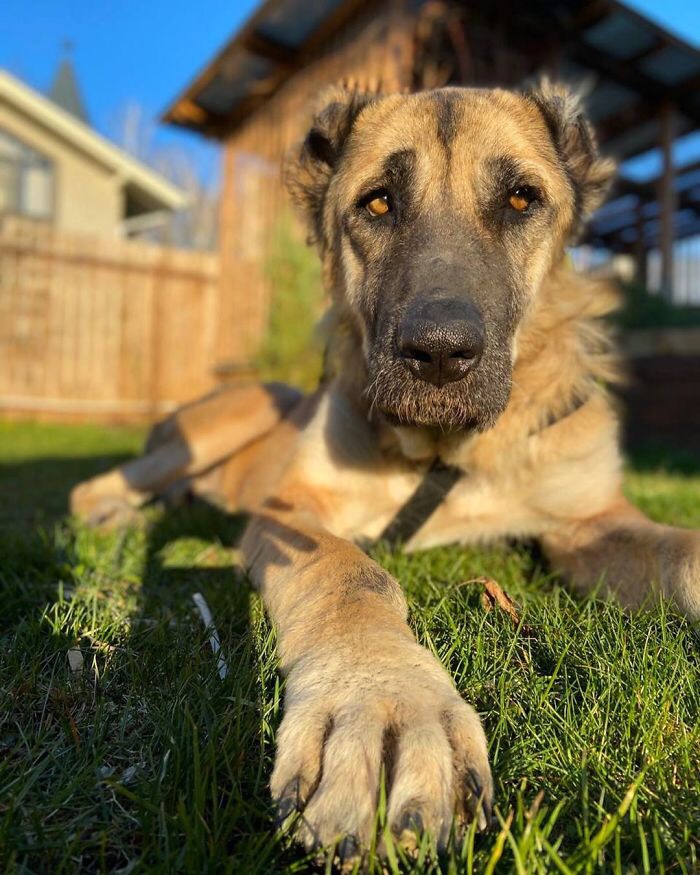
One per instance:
(660, 31)
(206, 74)
(186, 100)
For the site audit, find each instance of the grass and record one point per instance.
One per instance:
(641, 309)
(148, 761)
(292, 348)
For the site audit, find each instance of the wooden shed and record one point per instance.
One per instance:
(644, 97)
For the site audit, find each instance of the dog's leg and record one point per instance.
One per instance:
(631, 554)
(361, 692)
(186, 444)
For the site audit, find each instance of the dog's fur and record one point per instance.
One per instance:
(531, 426)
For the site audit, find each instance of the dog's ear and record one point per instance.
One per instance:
(309, 167)
(590, 174)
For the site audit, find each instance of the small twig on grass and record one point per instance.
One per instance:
(208, 621)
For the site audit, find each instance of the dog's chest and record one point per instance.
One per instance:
(477, 508)
(413, 510)
(506, 488)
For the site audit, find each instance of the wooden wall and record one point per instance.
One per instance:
(100, 328)
(376, 49)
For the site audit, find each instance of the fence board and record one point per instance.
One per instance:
(99, 327)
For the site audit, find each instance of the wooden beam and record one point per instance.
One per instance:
(270, 49)
(632, 77)
(667, 200)
(607, 238)
(345, 12)
(660, 42)
(640, 250)
(650, 190)
(620, 122)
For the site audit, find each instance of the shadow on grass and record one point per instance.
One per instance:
(165, 583)
(34, 537)
(35, 492)
(233, 712)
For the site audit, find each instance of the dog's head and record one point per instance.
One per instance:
(438, 215)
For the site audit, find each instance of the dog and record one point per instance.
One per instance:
(466, 399)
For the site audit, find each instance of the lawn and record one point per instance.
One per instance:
(146, 760)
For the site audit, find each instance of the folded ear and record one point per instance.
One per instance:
(575, 142)
(309, 167)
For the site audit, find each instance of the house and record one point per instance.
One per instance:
(644, 98)
(56, 169)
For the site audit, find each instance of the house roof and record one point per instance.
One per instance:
(254, 63)
(146, 189)
(65, 91)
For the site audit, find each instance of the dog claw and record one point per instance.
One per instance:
(349, 850)
(478, 801)
(284, 811)
(410, 821)
(287, 806)
(407, 828)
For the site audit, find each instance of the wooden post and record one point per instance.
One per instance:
(667, 200)
(230, 276)
(640, 250)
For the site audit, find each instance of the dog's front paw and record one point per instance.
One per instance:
(347, 718)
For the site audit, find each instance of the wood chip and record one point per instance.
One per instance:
(76, 661)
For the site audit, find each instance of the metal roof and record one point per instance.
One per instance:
(627, 56)
(633, 207)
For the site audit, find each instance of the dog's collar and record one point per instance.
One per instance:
(438, 482)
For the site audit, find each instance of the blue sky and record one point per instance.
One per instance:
(128, 51)
(124, 51)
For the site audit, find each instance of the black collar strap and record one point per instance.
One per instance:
(577, 403)
(429, 495)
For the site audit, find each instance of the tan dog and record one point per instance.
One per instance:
(466, 388)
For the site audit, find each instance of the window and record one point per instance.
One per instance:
(26, 179)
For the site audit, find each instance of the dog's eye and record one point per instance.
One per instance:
(521, 198)
(379, 205)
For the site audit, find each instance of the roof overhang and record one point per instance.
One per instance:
(633, 211)
(275, 41)
(143, 184)
(635, 63)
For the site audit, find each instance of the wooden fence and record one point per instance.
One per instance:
(101, 328)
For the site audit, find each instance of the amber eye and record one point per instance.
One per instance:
(520, 199)
(379, 205)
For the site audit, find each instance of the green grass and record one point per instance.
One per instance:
(292, 348)
(148, 761)
(640, 309)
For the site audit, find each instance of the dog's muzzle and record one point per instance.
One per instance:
(441, 340)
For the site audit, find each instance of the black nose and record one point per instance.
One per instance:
(442, 339)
